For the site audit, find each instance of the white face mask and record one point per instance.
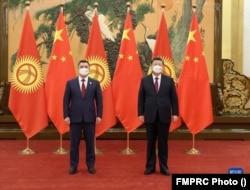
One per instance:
(157, 69)
(83, 71)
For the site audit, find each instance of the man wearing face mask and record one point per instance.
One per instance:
(157, 106)
(82, 107)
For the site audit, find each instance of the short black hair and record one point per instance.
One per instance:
(83, 61)
(157, 58)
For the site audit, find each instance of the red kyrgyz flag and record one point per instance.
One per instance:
(126, 80)
(61, 68)
(194, 87)
(163, 49)
(99, 70)
(27, 97)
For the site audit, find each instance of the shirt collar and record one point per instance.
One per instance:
(159, 77)
(80, 78)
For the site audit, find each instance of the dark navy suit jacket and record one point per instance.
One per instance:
(80, 108)
(165, 102)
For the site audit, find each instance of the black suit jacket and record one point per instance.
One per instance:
(165, 102)
(80, 108)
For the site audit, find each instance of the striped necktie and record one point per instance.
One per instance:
(83, 88)
(156, 84)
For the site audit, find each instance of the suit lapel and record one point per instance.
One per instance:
(161, 84)
(89, 85)
(77, 85)
(151, 82)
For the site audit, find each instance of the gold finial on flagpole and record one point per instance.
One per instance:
(96, 5)
(128, 4)
(27, 4)
(61, 6)
(194, 6)
(163, 7)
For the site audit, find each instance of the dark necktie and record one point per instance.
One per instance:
(156, 84)
(83, 87)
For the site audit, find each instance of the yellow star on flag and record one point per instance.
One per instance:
(63, 59)
(121, 56)
(58, 35)
(130, 57)
(187, 58)
(196, 59)
(54, 57)
(125, 34)
(191, 36)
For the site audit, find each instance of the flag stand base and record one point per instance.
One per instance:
(193, 151)
(127, 151)
(27, 151)
(61, 151)
(98, 151)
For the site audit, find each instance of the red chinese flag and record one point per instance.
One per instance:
(27, 98)
(194, 87)
(126, 80)
(163, 49)
(99, 70)
(61, 68)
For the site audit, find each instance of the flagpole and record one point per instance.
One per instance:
(97, 151)
(127, 150)
(193, 150)
(27, 150)
(61, 150)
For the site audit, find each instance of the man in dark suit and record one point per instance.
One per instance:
(82, 107)
(157, 105)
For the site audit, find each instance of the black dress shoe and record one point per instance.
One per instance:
(91, 170)
(165, 172)
(148, 172)
(72, 171)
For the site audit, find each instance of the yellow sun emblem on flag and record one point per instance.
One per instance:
(99, 70)
(27, 74)
(169, 68)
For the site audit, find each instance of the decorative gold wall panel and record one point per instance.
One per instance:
(236, 90)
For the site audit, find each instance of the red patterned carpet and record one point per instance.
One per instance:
(47, 171)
